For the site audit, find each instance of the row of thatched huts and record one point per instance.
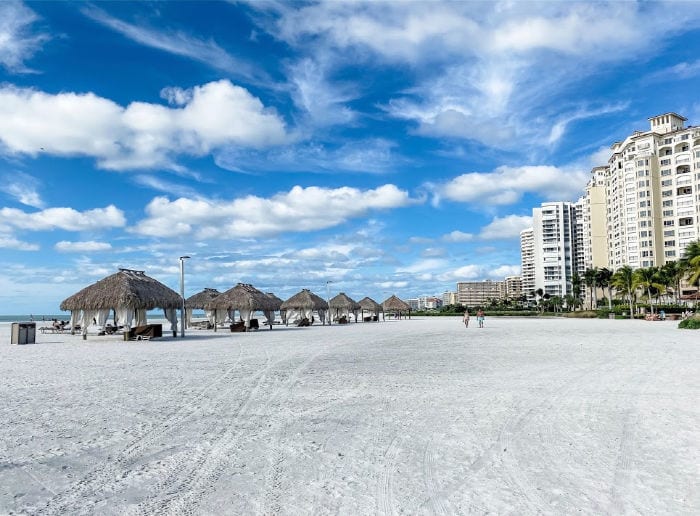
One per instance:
(129, 294)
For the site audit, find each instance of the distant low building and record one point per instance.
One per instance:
(424, 303)
(473, 293)
(449, 298)
(513, 287)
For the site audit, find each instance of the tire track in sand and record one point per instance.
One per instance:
(115, 469)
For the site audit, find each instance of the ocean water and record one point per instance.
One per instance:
(36, 317)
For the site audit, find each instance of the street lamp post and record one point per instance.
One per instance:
(328, 302)
(182, 294)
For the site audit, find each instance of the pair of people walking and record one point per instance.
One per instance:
(479, 318)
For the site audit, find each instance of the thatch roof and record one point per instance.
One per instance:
(395, 304)
(276, 300)
(367, 303)
(304, 300)
(125, 289)
(343, 302)
(199, 301)
(242, 296)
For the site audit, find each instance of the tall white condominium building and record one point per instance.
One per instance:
(527, 261)
(652, 188)
(554, 229)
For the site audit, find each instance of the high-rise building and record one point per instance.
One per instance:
(554, 250)
(527, 261)
(648, 196)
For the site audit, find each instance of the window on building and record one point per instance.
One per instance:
(684, 190)
(665, 162)
(670, 232)
(668, 213)
(668, 203)
(670, 254)
(667, 182)
(666, 193)
(669, 243)
(685, 221)
(669, 223)
(666, 172)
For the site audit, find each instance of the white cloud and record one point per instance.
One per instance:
(426, 265)
(81, 247)
(506, 185)
(364, 155)
(505, 270)
(142, 135)
(23, 188)
(9, 242)
(463, 273)
(458, 236)
(63, 218)
(559, 128)
(299, 210)
(492, 74)
(506, 227)
(17, 42)
(177, 43)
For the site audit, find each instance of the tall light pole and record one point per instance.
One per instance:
(182, 294)
(328, 302)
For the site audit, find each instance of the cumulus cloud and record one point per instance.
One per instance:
(63, 218)
(458, 236)
(426, 265)
(505, 270)
(299, 210)
(506, 185)
(82, 247)
(141, 135)
(17, 40)
(506, 227)
(9, 242)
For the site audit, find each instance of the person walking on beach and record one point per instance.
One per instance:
(465, 319)
(480, 317)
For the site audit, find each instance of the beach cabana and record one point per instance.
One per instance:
(342, 306)
(129, 294)
(199, 302)
(369, 305)
(302, 306)
(244, 298)
(394, 305)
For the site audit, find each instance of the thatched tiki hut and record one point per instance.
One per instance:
(394, 305)
(341, 306)
(302, 306)
(245, 299)
(130, 294)
(370, 306)
(199, 302)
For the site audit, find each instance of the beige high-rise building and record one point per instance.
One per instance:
(595, 222)
(513, 287)
(649, 193)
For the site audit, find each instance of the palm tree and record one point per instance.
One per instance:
(691, 260)
(624, 280)
(603, 278)
(589, 278)
(672, 273)
(576, 288)
(648, 279)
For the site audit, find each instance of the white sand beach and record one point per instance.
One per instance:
(418, 416)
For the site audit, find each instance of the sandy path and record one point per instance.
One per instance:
(419, 417)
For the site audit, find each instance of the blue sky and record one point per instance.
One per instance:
(386, 147)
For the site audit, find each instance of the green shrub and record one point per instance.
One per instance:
(690, 324)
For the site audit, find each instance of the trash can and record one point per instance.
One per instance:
(23, 333)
